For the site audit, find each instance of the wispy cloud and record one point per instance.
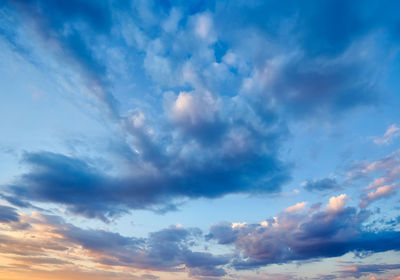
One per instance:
(391, 133)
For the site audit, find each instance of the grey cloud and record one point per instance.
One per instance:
(321, 184)
(297, 237)
(8, 214)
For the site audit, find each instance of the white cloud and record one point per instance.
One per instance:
(203, 25)
(192, 108)
(391, 133)
(336, 203)
(295, 208)
(381, 192)
(171, 23)
(238, 225)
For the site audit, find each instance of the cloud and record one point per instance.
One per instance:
(336, 203)
(331, 232)
(211, 107)
(300, 69)
(391, 133)
(65, 29)
(52, 242)
(164, 250)
(150, 276)
(296, 208)
(320, 185)
(384, 174)
(358, 271)
(212, 90)
(296, 88)
(8, 214)
(388, 165)
(238, 161)
(381, 192)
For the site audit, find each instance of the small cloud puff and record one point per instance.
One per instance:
(296, 208)
(337, 203)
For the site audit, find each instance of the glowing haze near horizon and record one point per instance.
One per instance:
(199, 139)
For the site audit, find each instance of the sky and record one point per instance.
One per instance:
(207, 140)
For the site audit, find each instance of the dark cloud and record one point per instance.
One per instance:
(20, 203)
(94, 194)
(332, 232)
(321, 184)
(8, 214)
(64, 180)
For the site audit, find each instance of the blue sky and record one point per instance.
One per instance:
(199, 139)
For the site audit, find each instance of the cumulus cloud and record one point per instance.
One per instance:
(203, 26)
(331, 232)
(337, 203)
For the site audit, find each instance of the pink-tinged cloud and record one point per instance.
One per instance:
(391, 133)
(336, 203)
(46, 242)
(358, 271)
(381, 192)
(296, 208)
(331, 232)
